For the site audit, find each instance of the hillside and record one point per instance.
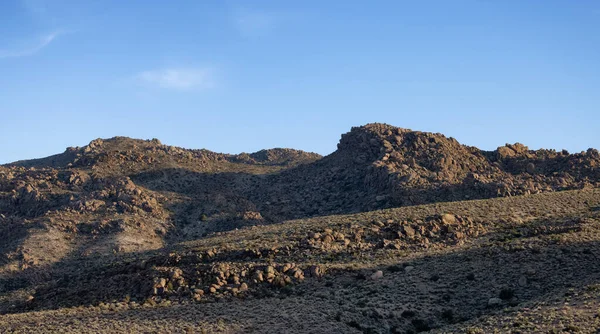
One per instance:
(525, 264)
(126, 231)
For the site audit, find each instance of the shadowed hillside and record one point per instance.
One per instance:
(124, 221)
(132, 194)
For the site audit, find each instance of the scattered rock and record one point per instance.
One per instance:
(315, 271)
(448, 219)
(377, 275)
(493, 302)
(408, 231)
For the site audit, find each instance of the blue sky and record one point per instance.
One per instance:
(241, 76)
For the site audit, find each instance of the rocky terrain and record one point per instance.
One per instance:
(397, 231)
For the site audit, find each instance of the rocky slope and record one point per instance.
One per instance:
(379, 166)
(132, 195)
(123, 217)
(525, 264)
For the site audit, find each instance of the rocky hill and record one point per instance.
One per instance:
(123, 207)
(380, 166)
(122, 186)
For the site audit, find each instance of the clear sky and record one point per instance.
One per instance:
(241, 76)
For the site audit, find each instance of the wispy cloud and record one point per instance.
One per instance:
(30, 47)
(254, 23)
(183, 79)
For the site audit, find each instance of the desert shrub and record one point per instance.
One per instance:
(507, 293)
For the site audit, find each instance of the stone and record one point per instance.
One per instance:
(339, 236)
(327, 239)
(315, 271)
(279, 281)
(298, 274)
(251, 215)
(176, 273)
(408, 269)
(377, 275)
(493, 302)
(448, 218)
(408, 231)
(504, 152)
(530, 272)
(258, 275)
(522, 281)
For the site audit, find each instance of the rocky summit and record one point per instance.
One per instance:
(397, 231)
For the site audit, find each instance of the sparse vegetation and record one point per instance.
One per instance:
(106, 237)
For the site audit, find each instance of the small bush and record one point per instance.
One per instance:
(354, 324)
(420, 325)
(394, 268)
(507, 293)
(448, 315)
(408, 314)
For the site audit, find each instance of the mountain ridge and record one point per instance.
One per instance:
(108, 193)
(131, 223)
